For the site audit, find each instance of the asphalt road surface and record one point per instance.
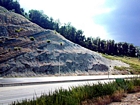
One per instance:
(14, 93)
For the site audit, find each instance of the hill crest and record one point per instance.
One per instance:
(26, 49)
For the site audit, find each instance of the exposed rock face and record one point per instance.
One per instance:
(26, 47)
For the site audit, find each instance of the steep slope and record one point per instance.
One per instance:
(27, 49)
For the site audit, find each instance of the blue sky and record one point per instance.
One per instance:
(108, 19)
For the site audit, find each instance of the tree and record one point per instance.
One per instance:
(116, 51)
(120, 48)
(80, 38)
(89, 43)
(57, 25)
(12, 5)
(99, 44)
(103, 46)
(36, 16)
(125, 48)
(132, 50)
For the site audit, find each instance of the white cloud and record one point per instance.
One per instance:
(79, 12)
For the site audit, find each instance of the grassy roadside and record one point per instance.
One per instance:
(90, 93)
(133, 62)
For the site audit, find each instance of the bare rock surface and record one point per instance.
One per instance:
(47, 52)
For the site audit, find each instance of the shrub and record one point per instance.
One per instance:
(48, 41)
(1, 41)
(55, 31)
(9, 50)
(117, 95)
(61, 43)
(136, 82)
(16, 30)
(120, 68)
(32, 38)
(17, 48)
(19, 30)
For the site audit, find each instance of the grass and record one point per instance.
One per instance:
(101, 94)
(19, 30)
(120, 68)
(132, 61)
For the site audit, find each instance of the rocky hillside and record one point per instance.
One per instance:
(27, 49)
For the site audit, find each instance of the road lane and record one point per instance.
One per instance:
(10, 94)
(13, 93)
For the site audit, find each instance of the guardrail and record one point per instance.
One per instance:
(57, 81)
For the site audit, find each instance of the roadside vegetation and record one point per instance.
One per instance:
(100, 94)
(132, 61)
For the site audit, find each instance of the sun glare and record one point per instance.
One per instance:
(79, 13)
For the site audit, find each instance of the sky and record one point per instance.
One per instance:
(109, 19)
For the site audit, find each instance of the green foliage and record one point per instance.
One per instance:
(17, 48)
(76, 36)
(48, 41)
(19, 30)
(130, 86)
(32, 38)
(61, 43)
(55, 31)
(136, 67)
(12, 5)
(136, 81)
(122, 84)
(120, 68)
(4, 11)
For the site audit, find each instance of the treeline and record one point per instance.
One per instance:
(71, 33)
(12, 5)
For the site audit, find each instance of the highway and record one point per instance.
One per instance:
(9, 93)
